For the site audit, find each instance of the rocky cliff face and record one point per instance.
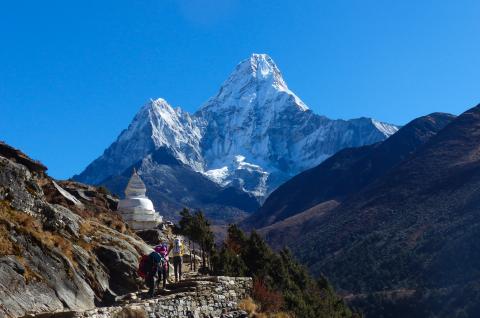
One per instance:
(253, 135)
(61, 246)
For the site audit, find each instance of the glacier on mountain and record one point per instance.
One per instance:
(254, 134)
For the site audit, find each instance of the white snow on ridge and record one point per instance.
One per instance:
(386, 129)
(218, 175)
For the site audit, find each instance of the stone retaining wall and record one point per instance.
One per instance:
(211, 297)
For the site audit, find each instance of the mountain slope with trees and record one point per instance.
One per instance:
(413, 232)
(282, 287)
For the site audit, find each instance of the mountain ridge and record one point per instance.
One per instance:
(186, 187)
(345, 172)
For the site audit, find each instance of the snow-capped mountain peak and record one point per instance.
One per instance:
(255, 82)
(264, 69)
(254, 134)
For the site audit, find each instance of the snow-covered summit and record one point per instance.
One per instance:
(253, 134)
(156, 125)
(254, 82)
(263, 68)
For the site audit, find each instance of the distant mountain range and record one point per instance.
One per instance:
(394, 225)
(240, 145)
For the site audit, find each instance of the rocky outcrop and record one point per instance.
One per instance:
(61, 245)
(153, 237)
(17, 156)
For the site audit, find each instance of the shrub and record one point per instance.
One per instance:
(6, 246)
(248, 305)
(270, 301)
(280, 283)
(104, 190)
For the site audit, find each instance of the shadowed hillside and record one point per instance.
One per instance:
(346, 172)
(415, 228)
(173, 186)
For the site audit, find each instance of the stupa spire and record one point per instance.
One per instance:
(135, 187)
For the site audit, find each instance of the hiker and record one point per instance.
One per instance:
(177, 249)
(153, 263)
(163, 251)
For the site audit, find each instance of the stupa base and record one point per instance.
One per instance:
(144, 225)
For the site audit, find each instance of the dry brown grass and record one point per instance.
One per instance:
(8, 215)
(248, 305)
(87, 228)
(103, 223)
(85, 245)
(8, 221)
(11, 220)
(51, 240)
(253, 310)
(113, 221)
(29, 274)
(28, 225)
(7, 247)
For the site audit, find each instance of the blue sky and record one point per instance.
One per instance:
(74, 73)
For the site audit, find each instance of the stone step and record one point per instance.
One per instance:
(178, 290)
(182, 284)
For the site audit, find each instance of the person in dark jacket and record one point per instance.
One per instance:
(163, 251)
(155, 260)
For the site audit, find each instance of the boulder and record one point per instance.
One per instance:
(152, 237)
(122, 267)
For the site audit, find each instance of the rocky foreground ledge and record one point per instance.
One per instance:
(198, 297)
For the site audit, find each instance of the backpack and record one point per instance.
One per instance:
(177, 248)
(163, 262)
(143, 264)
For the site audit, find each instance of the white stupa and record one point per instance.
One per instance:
(136, 209)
